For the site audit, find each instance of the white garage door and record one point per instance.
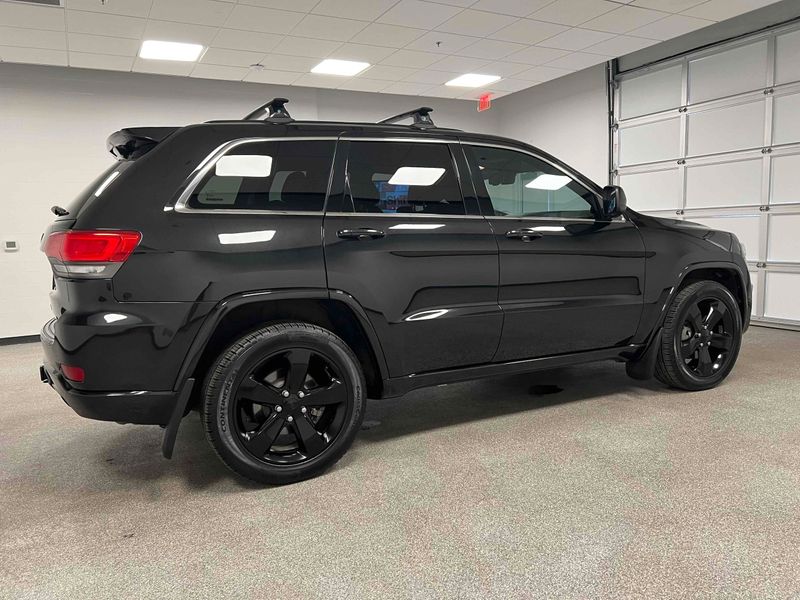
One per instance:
(714, 137)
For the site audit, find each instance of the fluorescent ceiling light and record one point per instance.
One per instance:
(472, 80)
(244, 165)
(156, 50)
(334, 66)
(548, 182)
(246, 237)
(106, 183)
(416, 176)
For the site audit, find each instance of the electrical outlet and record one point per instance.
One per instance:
(10, 246)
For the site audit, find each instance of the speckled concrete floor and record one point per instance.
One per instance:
(608, 488)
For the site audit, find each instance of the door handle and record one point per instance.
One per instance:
(362, 233)
(526, 234)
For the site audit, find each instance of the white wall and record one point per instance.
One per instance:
(567, 117)
(53, 126)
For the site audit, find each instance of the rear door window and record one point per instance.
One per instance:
(285, 176)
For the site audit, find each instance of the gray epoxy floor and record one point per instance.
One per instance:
(491, 489)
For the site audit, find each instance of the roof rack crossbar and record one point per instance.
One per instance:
(421, 116)
(276, 112)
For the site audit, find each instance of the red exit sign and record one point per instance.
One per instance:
(484, 102)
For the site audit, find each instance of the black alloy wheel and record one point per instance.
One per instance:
(706, 337)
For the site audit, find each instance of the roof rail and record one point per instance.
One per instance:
(421, 115)
(276, 112)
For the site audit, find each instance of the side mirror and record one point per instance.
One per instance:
(614, 201)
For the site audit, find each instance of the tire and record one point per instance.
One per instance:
(270, 420)
(701, 337)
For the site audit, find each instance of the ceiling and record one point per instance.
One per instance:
(415, 46)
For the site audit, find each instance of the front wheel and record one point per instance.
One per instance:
(284, 403)
(701, 337)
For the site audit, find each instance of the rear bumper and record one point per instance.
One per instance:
(143, 407)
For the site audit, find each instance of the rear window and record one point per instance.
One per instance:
(288, 176)
(90, 191)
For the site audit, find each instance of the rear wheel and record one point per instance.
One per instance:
(284, 403)
(701, 337)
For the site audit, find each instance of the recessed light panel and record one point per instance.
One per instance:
(333, 66)
(158, 50)
(473, 80)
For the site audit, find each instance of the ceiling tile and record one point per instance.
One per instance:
(432, 77)
(406, 88)
(508, 69)
(624, 19)
(359, 84)
(476, 22)
(620, 45)
(295, 5)
(490, 49)
(270, 76)
(179, 32)
(528, 31)
(517, 8)
(540, 74)
(204, 71)
(39, 56)
(199, 12)
(672, 6)
(459, 64)
(387, 72)
(101, 44)
(286, 62)
(236, 39)
(576, 61)
(444, 91)
(362, 10)
(299, 46)
(320, 81)
(510, 85)
(387, 35)
(411, 58)
(362, 52)
(129, 8)
(163, 67)
(231, 58)
(536, 55)
(111, 25)
(411, 13)
(573, 12)
(719, 10)
(671, 26)
(328, 28)
(32, 38)
(476, 94)
(461, 3)
(254, 18)
(87, 60)
(576, 39)
(449, 43)
(35, 17)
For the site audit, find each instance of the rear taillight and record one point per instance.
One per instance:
(89, 253)
(73, 373)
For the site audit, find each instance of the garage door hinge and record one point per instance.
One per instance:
(683, 109)
(761, 265)
(769, 91)
(766, 151)
(682, 161)
(764, 208)
(679, 211)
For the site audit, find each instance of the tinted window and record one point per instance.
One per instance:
(519, 185)
(403, 177)
(283, 176)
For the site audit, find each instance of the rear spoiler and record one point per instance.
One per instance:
(131, 143)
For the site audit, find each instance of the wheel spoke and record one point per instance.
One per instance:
(260, 441)
(307, 436)
(335, 393)
(695, 317)
(723, 341)
(298, 368)
(705, 365)
(715, 314)
(258, 393)
(689, 347)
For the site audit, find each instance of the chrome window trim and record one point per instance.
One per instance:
(428, 216)
(181, 204)
(349, 138)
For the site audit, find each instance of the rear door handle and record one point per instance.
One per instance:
(362, 233)
(526, 235)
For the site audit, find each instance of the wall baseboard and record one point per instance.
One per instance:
(19, 339)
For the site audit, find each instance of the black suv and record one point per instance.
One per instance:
(275, 273)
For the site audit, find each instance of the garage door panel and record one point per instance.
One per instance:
(787, 65)
(785, 179)
(727, 129)
(727, 73)
(784, 238)
(651, 93)
(746, 228)
(650, 142)
(724, 184)
(781, 293)
(654, 190)
(786, 119)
